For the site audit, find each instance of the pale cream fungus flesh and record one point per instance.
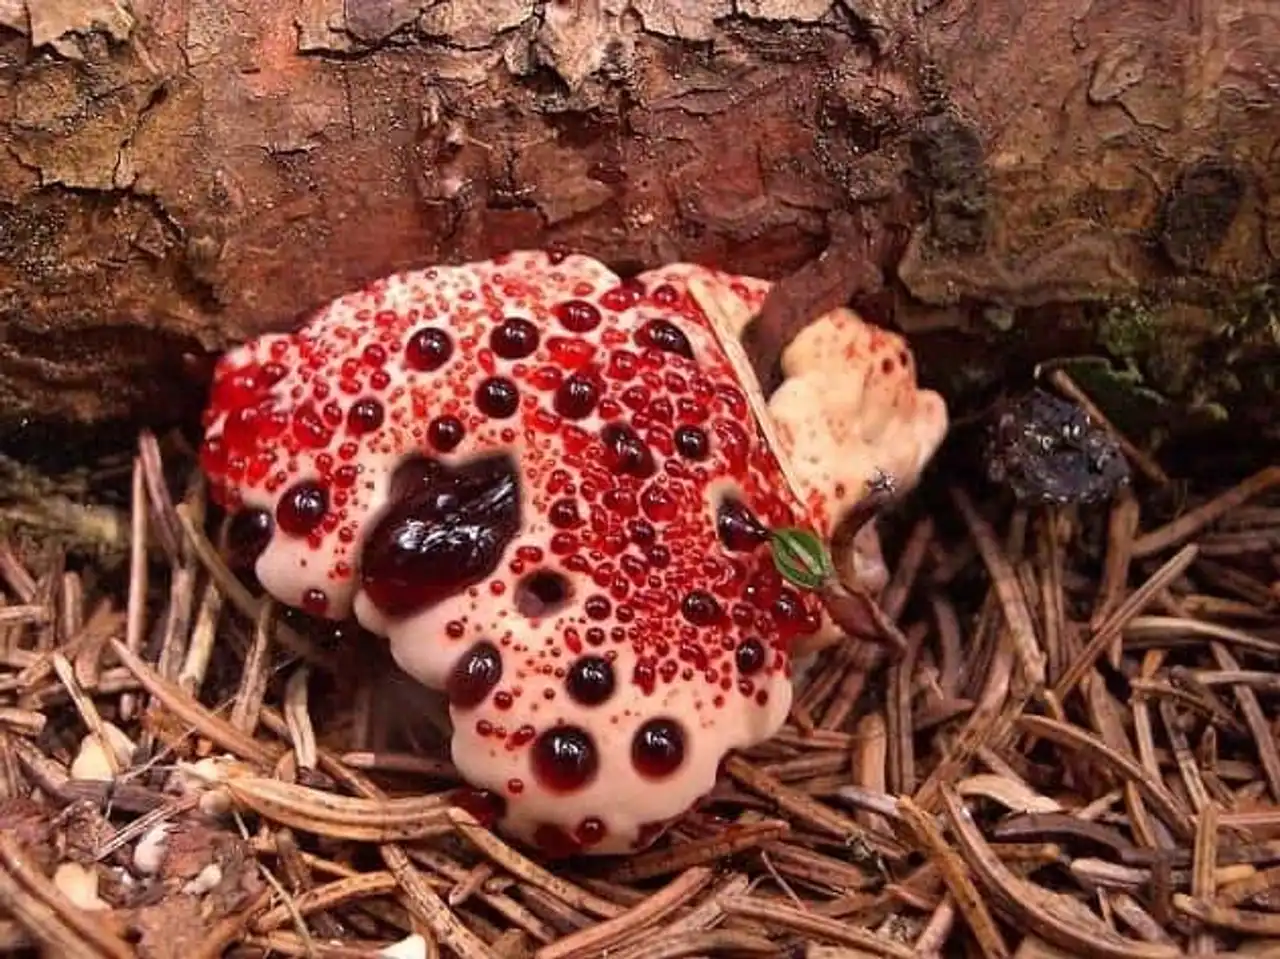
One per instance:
(544, 485)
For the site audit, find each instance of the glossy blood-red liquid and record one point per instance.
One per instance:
(590, 680)
(658, 748)
(302, 508)
(738, 528)
(564, 758)
(446, 534)
(474, 675)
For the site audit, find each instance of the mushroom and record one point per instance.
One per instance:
(545, 487)
(849, 417)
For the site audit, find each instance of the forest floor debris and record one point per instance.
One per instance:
(1074, 755)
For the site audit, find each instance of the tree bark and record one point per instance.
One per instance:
(1024, 180)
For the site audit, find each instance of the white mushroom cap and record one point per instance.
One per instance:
(581, 563)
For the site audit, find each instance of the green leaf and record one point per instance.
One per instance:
(800, 557)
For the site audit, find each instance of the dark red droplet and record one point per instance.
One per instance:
(666, 295)
(658, 504)
(474, 675)
(691, 442)
(565, 758)
(488, 807)
(563, 514)
(625, 452)
(590, 680)
(700, 608)
(445, 533)
(428, 349)
(233, 389)
(248, 534)
(514, 338)
(658, 748)
(597, 607)
(445, 432)
(577, 396)
(577, 315)
(497, 397)
(591, 831)
(309, 429)
(622, 296)
(315, 601)
(738, 527)
(666, 336)
(365, 416)
(302, 508)
(750, 656)
(789, 610)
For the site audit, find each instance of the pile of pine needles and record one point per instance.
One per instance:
(1075, 757)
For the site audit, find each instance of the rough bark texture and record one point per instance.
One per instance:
(1033, 179)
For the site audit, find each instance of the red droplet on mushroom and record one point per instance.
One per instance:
(565, 759)
(445, 536)
(700, 608)
(666, 295)
(622, 296)
(591, 831)
(315, 601)
(365, 416)
(577, 396)
(590, 680)
(578, 316)
(658, 748)
(658, 504)
(497, 397)
(625, 452)
(310, 429)
(666, 336)
(692, 443)
(750, 656)
(445, 432)
(474, 675)
(302, 508)
(514, 339)
(563, 514)
(428, 349)
(237, 388)
(738, 527)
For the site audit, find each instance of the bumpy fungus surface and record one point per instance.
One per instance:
(544, 486)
